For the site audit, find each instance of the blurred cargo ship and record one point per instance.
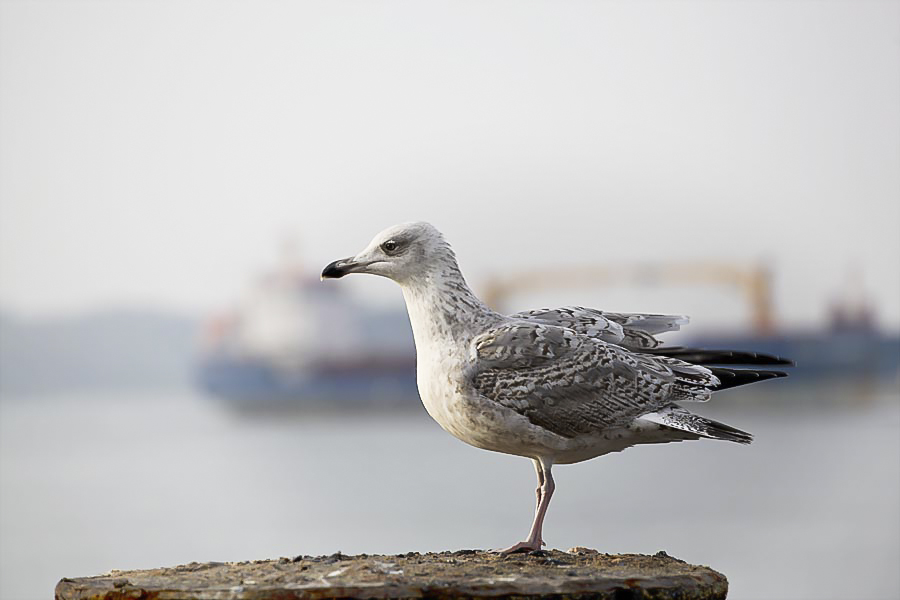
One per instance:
(296, 342)
(293, 341)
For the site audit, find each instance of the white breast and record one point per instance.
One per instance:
(443, 348)
(440, 393)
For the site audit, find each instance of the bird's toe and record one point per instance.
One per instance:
(529, 546)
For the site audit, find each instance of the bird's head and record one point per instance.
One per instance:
(403, 253)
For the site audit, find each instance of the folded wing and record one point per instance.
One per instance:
(636, 331)
(573, 384)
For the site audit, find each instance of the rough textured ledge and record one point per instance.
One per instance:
(579, 573)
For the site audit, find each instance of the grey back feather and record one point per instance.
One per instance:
(631, 330)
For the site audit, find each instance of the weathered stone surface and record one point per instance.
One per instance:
(580, 573)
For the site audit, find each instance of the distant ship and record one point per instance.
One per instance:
(295, 342)
(850, 347)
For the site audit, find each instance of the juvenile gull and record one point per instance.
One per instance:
(558, 386)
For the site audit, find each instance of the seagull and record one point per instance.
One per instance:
(558, 386)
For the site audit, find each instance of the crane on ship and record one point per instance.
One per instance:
(753, 281)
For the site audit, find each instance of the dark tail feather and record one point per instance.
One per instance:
(721, 431)
(699, 356)
(678, 418)
(730, 378)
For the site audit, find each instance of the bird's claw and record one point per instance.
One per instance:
(529, 546)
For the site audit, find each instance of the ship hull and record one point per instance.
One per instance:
(256, 385)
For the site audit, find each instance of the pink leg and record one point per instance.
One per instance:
(544, 493)
(538, 490)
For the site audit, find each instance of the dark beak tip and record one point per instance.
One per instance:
(334, 270)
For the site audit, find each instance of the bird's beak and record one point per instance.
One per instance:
(339, 268)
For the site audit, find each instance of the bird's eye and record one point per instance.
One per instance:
(390, 246)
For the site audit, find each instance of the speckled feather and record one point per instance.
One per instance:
(572, 384)
(631, 330)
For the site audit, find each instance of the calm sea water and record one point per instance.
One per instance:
(89, 484)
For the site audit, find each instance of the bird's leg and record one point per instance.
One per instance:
(545, 491)
(540, 476)
(547, 487)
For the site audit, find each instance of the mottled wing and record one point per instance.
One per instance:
(572, 384)
(585, 321)
(648, 323)
(641, 329)
(632, 330)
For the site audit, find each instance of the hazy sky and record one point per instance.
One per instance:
(156, 153)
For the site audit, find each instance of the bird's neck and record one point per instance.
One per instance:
(444, 312)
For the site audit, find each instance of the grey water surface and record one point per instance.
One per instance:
(113, 481)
